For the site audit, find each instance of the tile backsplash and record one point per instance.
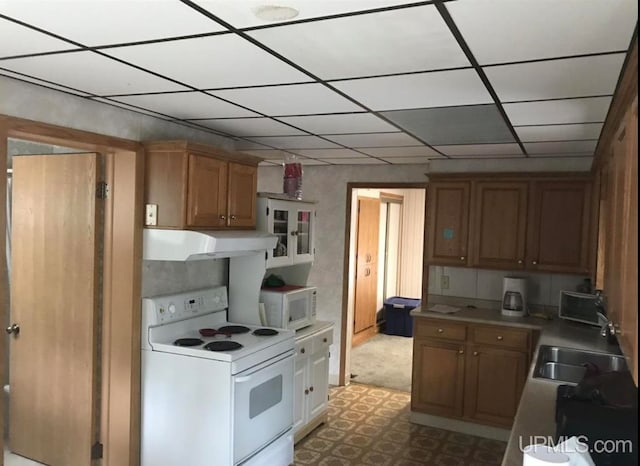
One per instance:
(543, 288)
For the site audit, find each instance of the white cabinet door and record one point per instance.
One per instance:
(303, 230)
(319, 383)
(281, 222)
(300, 385)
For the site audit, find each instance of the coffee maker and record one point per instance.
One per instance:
(514, 297)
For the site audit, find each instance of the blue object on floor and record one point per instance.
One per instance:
(397, 318)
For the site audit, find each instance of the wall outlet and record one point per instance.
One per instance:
(444, 282)
(151, 214)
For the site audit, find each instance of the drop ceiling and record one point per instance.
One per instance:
(344, 82)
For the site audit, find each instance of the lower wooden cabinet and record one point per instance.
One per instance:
(478, 379)
(494, 379)
(311, 379)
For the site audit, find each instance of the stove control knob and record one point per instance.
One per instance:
(172, 308)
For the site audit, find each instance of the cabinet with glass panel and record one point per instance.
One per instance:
(293, 222)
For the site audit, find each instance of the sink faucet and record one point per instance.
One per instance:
(608, 329)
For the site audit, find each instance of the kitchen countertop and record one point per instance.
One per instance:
(536, 411)
(318, 326)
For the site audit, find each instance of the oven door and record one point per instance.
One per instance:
(300, 307)
(263, 405)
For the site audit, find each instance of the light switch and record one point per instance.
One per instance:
(151, 215)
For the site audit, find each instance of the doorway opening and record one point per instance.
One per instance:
(383, 261)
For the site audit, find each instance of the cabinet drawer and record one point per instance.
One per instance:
(502, 336)
(440, 329)
(304, 347)
(322, 340)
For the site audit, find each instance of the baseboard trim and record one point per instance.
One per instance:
(464, 427)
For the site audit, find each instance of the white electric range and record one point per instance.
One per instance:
(214, 393)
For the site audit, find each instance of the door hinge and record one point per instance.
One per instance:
(267, 211)
(102, 190)
(266, 256)
(96, 451)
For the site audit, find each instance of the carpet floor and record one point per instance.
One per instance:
(370, 426)
(383, 361)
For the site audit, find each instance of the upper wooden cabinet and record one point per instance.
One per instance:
(499, 224)
(448, 223)
(539, 223)
(559, 223)
(200, 187)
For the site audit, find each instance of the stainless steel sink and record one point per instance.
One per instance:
(570, 365)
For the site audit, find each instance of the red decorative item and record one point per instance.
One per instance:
(292, 177)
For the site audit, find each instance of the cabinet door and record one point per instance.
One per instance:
(300, 386)
(559, 219)
(438, 378)
(241, 206)
(448, 220)
(207, 192)
(319, 384)
(499, 224)
(494, 382)
(304, 229)
(280, 223)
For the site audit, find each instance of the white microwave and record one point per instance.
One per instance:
(291, 307)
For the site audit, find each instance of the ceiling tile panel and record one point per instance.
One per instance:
(244, 145)
(556, 78)
(480, 149)
(454, 125)
(129, 107)
(294, 142)
(411, 39)
(329, 153)
(487, 156)
(408, 160)
(588, 110)
(560, 147)
(534, 29)
(210, 62)
(356, 161)
(91, 73)
(296, 99)
(436, 89)
(406, 151)
(374, 140)
(563, 155)
(269, 154)
(304, 161)
(102, 22)
(242, 14)
(186, 105)
(340, 124)
(21, 40)
(250, 127)
(559, 132)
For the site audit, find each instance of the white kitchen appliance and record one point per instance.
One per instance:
(213, 393)
(289, 306)
(514, 297)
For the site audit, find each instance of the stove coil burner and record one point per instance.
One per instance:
(265, 332)
(211, 332)
(188, 342)
(222, 346)
(234, 329)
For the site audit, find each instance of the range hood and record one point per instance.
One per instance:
(182, 245)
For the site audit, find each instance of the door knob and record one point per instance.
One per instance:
(13, 329)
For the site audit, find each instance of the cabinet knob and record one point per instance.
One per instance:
(302, 350)
(520, 261)
(294, 233)
(499, 338)
(461, 351)
(440, 330)
(324, 340)
(462, 258)
(233, 217)
(223, 217)
(310, 389)
(534, 262)
(306, 392)
(475, 353)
